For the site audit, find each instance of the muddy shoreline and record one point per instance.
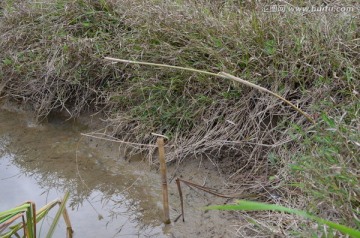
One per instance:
(197, 222)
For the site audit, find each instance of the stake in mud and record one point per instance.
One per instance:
(160, 143)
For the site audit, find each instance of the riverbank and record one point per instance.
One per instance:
(53, 59)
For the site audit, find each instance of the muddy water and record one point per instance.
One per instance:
(108, 198)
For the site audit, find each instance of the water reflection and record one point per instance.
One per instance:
(39, 163)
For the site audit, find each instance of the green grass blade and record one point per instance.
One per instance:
(42, 212)
(31, 221)
(7, 218)
(243, 205)
(57, 216)
(27, 209)
(18, 209)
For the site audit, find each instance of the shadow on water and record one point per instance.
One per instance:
(108, 199)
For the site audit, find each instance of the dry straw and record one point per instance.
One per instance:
(221, 75)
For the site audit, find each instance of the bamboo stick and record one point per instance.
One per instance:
(160, 143)
(229, 76)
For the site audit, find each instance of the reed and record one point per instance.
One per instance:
(30, 217)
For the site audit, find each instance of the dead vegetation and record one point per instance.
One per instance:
(52, 57)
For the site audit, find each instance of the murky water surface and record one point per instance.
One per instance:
(108, 199)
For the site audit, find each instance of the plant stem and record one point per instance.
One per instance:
(221, 75)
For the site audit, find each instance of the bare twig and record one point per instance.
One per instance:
(205, 189)
(116, 140)
(181, 199)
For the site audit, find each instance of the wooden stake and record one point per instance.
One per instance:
(160, 143)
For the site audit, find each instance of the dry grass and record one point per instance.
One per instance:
(52, 57)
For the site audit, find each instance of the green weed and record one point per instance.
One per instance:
(243, 205)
